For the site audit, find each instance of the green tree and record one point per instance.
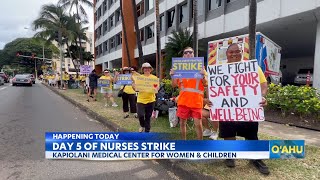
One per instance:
(78, 5)
(26, 46)
(179, 40)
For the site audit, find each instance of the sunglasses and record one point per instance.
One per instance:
(188, 52)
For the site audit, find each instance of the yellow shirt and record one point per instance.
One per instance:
(146, 97)
(261, 76)
(65, 77)
(107, 78)
(128, 89)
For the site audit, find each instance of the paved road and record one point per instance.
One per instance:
(26, 113)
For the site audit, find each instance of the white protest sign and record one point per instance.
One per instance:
(234, 89)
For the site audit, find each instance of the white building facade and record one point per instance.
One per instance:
(293, 24)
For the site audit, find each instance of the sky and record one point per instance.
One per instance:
(16, 17)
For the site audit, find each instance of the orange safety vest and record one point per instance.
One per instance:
(191, 93)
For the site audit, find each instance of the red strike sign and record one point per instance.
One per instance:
(235, 91)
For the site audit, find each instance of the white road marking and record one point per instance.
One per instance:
(3, 88)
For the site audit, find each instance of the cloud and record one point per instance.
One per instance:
(16, 15)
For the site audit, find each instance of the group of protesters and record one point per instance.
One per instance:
(192, 103)
(140, 104)
(54, 79)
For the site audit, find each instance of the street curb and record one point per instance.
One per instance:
(169, 165)
(292, 125)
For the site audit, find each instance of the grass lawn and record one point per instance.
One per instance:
(308, 168)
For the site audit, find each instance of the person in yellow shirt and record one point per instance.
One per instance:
(128, 96)
(65, 79)
(107, 91)
(145, 101)
(249, 130)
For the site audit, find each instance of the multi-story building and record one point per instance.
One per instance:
(293, 24)
(67, 65)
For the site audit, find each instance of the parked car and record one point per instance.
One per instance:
(22, 79)
(1, 81)
(5, 77)
(301, 77)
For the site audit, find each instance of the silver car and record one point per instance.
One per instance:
(301, 77)
(22, 79)
(1, 81)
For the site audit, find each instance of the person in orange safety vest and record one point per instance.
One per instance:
(190, 102)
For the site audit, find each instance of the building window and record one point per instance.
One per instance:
(118, 15)
(230, 1)
(100, 30)
(183, 13)
(150, 31)
(110, 3)
(111, 20)
(105, 26)
(141, 35)
(100, 49)
(112, 43)
(170, 18)
(105, 46)
(119, 39)
(104, 6)
(149, 4)
(99, 12)
(214, 4)
(96, 51)
(140, 9)
(162, 22)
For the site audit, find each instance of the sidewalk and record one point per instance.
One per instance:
(290, 132)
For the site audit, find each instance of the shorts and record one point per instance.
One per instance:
(93, 87)
(185, 112)
(108, 91)
(248, 130)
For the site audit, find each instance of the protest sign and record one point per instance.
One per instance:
(146, 84)
(124, 79)
(187, 67)
(234, 89)
(104, 83)
(85, 69)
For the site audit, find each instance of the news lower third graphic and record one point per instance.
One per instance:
(131, 146)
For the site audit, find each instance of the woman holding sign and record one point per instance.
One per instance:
(128, 96)
(147, 85)
(107, 91)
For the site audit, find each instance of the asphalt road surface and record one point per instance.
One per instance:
(26, 113)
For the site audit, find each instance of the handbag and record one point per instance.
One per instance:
(120, 93)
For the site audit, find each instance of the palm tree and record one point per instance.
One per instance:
(136, 25)
(78, 5)
(124, 28)
(179, 40)
(52, 19)
(195, 26)
(158, 39)
(252, 28)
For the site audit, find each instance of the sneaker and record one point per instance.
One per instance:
(207, 132)
(261, 166)
(141, 129)
(214, 136)
(106, 105)
(126, 116)
(114, 105)
(230, 163)
(135, 115)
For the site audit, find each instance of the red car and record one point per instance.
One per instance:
(4, 76)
